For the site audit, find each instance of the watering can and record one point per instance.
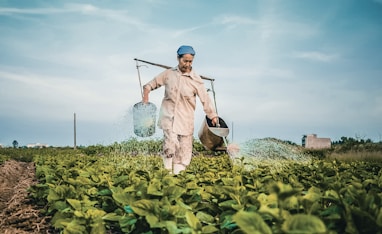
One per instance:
(144, 118)
(213, 137)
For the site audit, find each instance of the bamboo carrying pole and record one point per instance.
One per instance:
(168, 67)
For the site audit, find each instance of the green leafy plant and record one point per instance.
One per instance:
(122, 191)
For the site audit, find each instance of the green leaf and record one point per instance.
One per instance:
(120, 196)
(334, 209)
(174, 192)
(144, 207)
(172, 227)
(285, 191)
(228, 181)
(209, 229)
(228, 224)
(128, 209)
(237, 207)
(155, 188)
(379, 218)
(303, 223)
(111, 217)
(331, 195)
(205, 218)
(53, 196)
(121, 179)
(368, 182)
(98, 227)
(60, 205)
(86, 202)
(291, 203)
(193, 221)
(95, 213)
(192, 185)
(105, 192)
(228, 203)
(75, 227)
(356, 184)
(154, 221)
(127, 222)
(267, 200)
(75, 182)
(92, 191)
(76, 204)
(79, 214)
(251, 223)
(181, 204)
(60, 220)
(313, 195)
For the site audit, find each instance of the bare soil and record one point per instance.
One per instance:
(17, 213)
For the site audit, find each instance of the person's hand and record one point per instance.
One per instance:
(145, 98)
(215, 121)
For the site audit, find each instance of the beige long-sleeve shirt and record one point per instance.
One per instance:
(179, 102)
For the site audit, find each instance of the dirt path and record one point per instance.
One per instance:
(17, 214)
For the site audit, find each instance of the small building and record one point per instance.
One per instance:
(311, 141)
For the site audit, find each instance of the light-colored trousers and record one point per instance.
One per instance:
(177, 151)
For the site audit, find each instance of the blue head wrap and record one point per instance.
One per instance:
(184, 49)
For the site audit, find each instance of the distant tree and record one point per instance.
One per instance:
(15, 144)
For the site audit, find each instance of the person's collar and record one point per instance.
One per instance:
(190, 74)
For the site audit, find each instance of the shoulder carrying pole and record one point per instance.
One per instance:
(168, 67)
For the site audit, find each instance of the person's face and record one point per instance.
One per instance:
(185, 63)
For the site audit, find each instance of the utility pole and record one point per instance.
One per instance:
(75, 143)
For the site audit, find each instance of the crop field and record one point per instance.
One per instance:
(270, 186)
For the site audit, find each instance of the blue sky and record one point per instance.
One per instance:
(282, 68)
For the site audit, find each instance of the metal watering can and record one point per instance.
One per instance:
(213, 137)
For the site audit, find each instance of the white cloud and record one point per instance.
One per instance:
(316, 56)
(52, 96)
(29, 11)
(234, 20)
(182, 32)
(83, 9)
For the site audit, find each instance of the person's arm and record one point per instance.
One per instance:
(155, 83)
(207, 104)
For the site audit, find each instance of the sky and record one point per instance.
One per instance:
(282, 68)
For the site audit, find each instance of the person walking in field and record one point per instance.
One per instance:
(176, 119)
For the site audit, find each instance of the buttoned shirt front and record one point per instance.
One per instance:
(179, 101)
